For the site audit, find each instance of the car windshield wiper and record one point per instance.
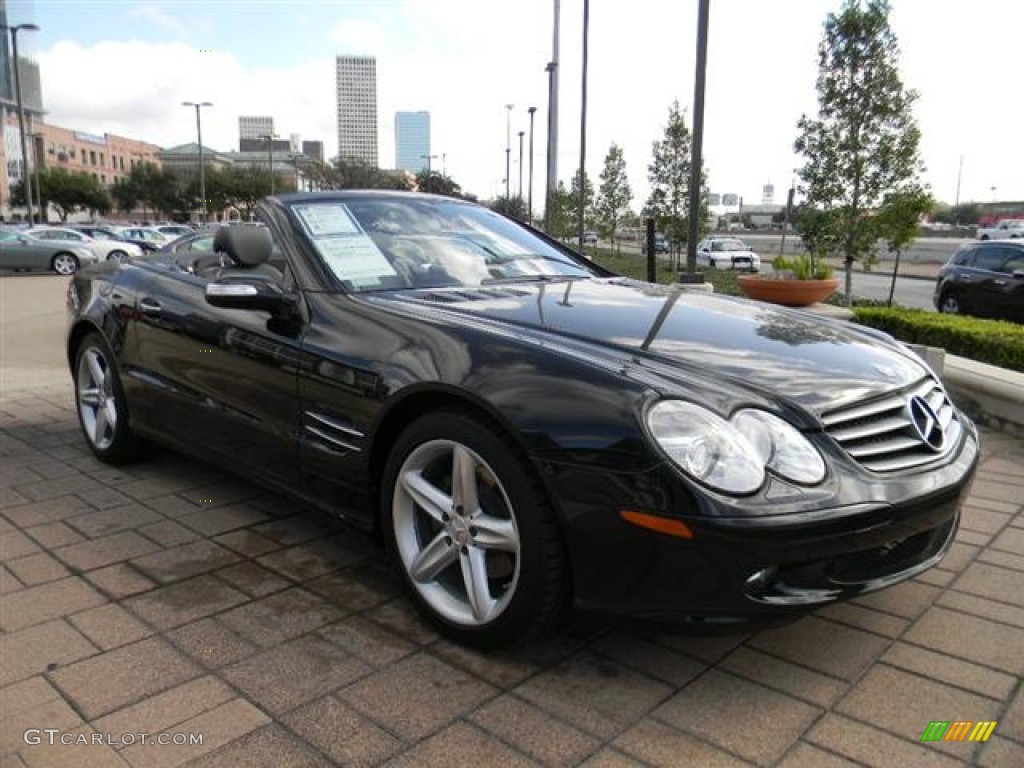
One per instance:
(532, 279)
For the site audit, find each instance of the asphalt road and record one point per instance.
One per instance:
(32, 318)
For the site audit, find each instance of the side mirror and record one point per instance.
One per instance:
(254, 292)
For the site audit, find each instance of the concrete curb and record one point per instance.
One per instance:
(990, 395)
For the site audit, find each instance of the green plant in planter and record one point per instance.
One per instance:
(800, 268)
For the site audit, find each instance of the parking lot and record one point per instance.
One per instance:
(169, 597)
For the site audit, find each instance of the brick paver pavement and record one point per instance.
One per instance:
(167, 597)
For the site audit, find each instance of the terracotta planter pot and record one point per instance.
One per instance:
(790, 293)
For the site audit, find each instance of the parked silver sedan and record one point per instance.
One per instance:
(116, 250)
(19, 250)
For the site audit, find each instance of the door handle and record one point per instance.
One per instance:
(999, 282)
(149, 307)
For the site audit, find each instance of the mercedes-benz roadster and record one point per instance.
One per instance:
(526, 431)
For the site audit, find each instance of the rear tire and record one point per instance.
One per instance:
(472, 531)
(64, 264)
(101, 405)
(117, 256)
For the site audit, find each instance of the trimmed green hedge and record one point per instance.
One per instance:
(996, 342)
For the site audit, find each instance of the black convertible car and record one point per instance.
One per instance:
(525, 430)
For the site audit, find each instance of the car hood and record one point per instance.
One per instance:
(817, 363)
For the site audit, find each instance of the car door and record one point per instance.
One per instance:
(24, 252)
(990, 281)
(219, 380)
(1007, 288)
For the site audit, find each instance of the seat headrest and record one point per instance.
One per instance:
(247, 246)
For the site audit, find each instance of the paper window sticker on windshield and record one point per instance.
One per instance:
(326, 220)
(355, 258)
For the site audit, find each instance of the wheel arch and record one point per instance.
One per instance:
(79, 331)
(418, 400)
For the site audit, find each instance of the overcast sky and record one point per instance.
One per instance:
(124, 67)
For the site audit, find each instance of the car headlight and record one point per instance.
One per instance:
(780, 447)
(732, 456)
(706, 446)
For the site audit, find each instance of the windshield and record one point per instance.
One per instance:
(374, 244)
(728, 245)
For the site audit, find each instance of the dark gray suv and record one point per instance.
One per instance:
(984, 279)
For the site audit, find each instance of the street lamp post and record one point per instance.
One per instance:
(202, 170)
(529, 193)
(521, 134)
(581, 221)
(508, 150)
(26, 179)
(270, 157)
(552, 158)
(37, 145)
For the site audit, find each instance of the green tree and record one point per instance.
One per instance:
(669, 175)
(510, 206)
(248, 185)
(562, 219)
(615, 196)
(898, 222)
(864, 141)
(66, 193)
(126, 195)
(437, 184)
(587, 201)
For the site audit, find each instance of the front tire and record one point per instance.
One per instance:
(101, 406)
(64, 264)
(472, 531)
(950, 305)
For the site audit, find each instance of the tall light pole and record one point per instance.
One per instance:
(508, 150)
(521, 134)
(37, 146)
(698, 142)
(529, 193)
(270, 156)
(581, 214)
(26, 177)
(202, 170)
(552, 179)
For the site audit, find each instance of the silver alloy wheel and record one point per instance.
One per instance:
(97, 404)
(117, 256)
(456, 533)
(65, 264)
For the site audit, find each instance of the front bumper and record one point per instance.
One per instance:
(755, 569)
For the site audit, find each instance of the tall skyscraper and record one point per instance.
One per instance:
(412, 140)
(13, 12)
(357, 108)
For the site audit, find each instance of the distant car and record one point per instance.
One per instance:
(727, 253)
(174, 230)
(102, 245)
(590, 238)
(984, 279)
(19, 250)
(1005, 229)
(148, 234)
(660, 243)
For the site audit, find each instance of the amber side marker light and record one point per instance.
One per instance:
(654, 523)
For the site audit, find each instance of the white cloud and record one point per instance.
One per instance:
(464, 60)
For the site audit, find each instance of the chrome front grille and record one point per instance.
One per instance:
(908, 429)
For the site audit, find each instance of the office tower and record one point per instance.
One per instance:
(412, 141)
(357, 108)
